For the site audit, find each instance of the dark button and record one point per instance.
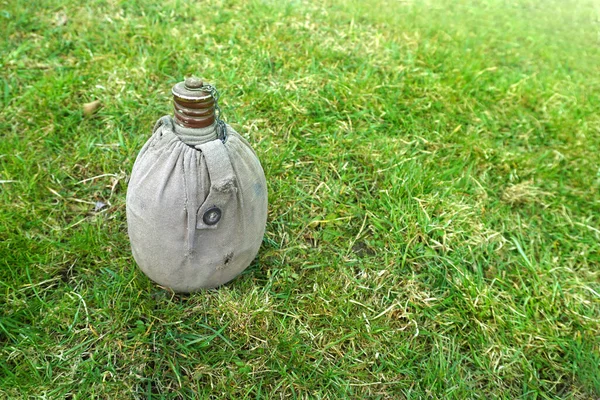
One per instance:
(212, 216)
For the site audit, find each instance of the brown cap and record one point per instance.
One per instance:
(194, 104)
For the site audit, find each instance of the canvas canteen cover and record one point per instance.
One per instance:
(197, 196)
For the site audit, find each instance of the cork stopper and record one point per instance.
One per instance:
(194, 104)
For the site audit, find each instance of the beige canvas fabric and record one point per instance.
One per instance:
(196, 207)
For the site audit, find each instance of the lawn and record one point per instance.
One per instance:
(433, 170)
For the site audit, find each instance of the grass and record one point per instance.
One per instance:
(434, 176)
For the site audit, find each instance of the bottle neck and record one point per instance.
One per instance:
(195, 136)
(194, 111)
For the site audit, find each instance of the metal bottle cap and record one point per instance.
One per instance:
(194, 104)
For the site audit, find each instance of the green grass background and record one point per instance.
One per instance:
(433, 172)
